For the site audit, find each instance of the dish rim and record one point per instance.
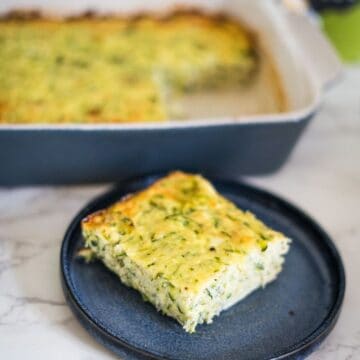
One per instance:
(286, 117)
(307, 343)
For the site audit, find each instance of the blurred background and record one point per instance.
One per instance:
(339, 19)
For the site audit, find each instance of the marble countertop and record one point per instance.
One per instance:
(322, 177)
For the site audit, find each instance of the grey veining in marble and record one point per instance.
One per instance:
(322, 176)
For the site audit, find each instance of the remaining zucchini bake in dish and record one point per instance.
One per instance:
(187, 250)
(91, 70)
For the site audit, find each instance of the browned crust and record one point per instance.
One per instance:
(178, 10)
(23, 14)
(36, 14)
(97, 217)
(99, 213)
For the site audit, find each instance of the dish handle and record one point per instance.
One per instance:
(320, 55)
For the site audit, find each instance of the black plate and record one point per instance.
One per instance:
(286, 319)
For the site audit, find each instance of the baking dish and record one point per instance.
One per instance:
(227, 146)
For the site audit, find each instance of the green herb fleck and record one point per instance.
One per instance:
(233, 251)
(159, 274)
(156, 205)
(230, 217)
(263, 245)
(171, 297)
(225, 233)
(209, 293)
(145, 298)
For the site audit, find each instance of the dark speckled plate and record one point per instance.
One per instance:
(288, 318)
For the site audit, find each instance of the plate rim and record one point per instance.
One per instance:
(315, 337)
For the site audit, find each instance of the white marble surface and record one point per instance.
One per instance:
(322, 176)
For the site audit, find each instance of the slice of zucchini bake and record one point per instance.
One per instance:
(187, 250)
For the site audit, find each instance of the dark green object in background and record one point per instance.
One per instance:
(343, 29)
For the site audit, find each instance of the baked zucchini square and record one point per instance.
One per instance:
(188, 250)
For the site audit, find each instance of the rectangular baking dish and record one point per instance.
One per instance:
(226, 146)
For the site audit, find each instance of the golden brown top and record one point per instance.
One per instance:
(114, 69)
(180, 228)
